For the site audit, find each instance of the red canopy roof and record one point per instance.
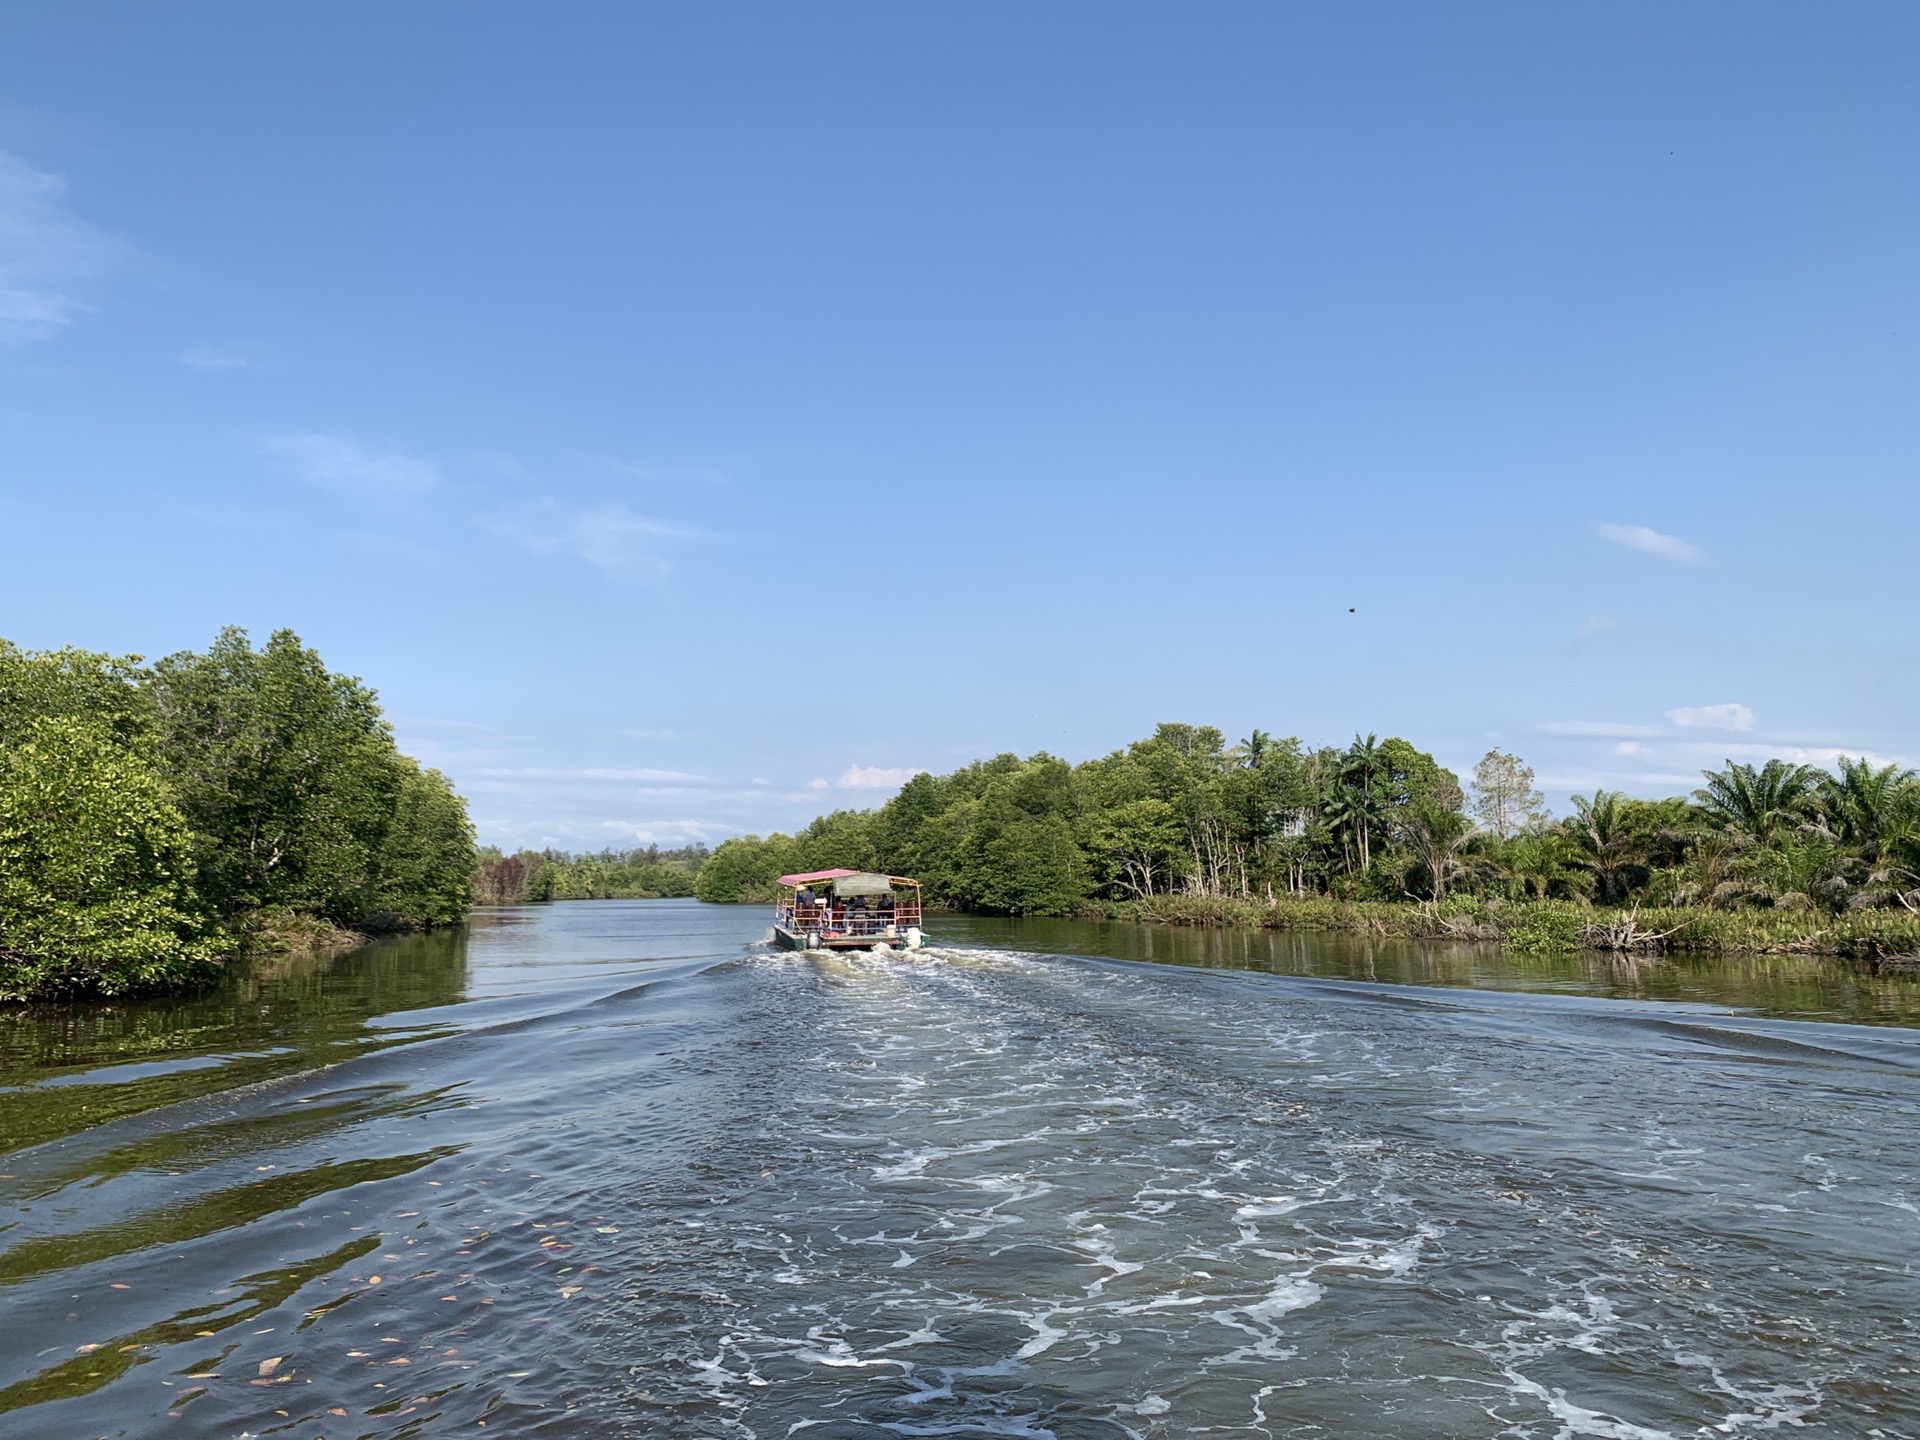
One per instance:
(813, 875)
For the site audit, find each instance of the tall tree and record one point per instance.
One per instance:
(1358, 804)
(1504, 799)
(1140, 845)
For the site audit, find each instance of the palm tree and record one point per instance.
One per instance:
(1538, 859)
(1705, 875)
(1795, 872)
(1863, 805)
(1606, 843)
(1897, 875)
(1254, 748)
(1758, 804)
(1359, 807)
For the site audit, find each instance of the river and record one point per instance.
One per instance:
(617, 1169)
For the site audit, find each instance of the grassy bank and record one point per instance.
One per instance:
(1881, 938)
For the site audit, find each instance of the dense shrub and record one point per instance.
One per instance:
(151, 819)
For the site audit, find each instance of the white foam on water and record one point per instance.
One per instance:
(1577, 1419)
(1288, 1295)
(1115, 1187)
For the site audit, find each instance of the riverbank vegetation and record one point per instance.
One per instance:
(539, 875)
(156, 818)
(1378, 837)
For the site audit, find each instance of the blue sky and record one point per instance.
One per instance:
(597, 380)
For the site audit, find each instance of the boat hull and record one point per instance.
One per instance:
(786, 939)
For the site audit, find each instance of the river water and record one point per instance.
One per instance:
(617, 1169)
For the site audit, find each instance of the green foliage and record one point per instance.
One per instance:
(149, 814)
(1375, 837)
(540, 875)
(286, 773)
(96, 870)
(1137, 845)
(746, 868)
(1546, 927)
(422, 872)
(1542, 929)
(1179, 812)
(1761, 802)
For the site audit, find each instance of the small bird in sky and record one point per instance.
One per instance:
(1349, 609)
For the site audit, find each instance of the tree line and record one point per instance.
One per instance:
(156, 817)
(1183, 814)
(531, 876)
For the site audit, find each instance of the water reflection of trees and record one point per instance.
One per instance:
(268, 1018)
(1782, 985)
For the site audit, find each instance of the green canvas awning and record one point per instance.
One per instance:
(863, 883)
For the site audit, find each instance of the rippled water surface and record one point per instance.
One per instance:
(616, 1169)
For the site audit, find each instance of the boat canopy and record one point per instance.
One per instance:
(863, 883)
(851, 882)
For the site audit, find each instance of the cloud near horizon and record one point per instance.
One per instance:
(1649, 541)
(1731, 716)
(875, 777)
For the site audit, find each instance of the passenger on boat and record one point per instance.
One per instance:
(886, 909)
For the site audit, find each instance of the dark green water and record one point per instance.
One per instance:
(617, 1169)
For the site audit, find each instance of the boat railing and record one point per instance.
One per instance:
(847, 920)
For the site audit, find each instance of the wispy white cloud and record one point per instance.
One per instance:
(586, 833)
(1597, 729)
(1647, 782)
(662, 474)
(1595, 625)
(203, 359)
(1652, 542)
(45, 253)
(664, 832)
(1731, 716)
(611, 537)
(538, 772)
(816, 784)
(875, 777)
(344, 462)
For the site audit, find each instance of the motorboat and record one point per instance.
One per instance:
(847, 910)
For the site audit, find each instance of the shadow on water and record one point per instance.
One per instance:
(1795, 987)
